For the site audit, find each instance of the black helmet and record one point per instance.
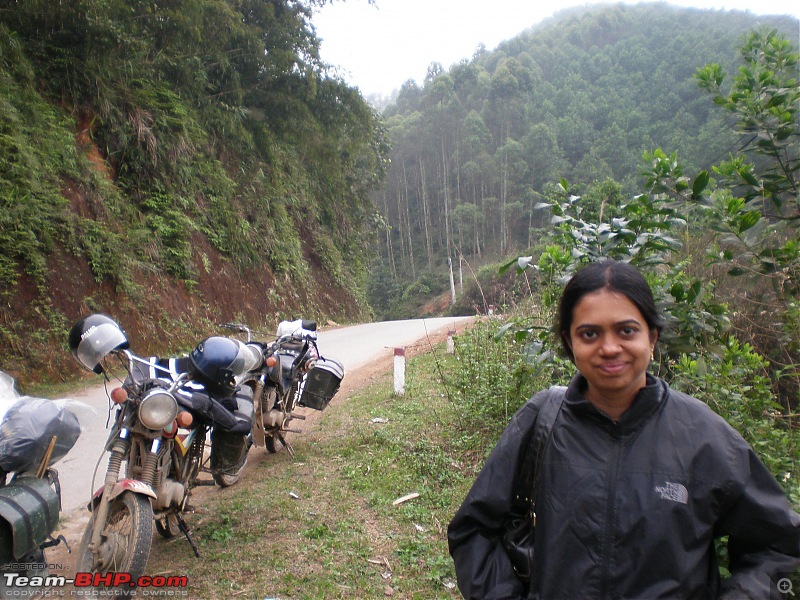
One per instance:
(92, 338)
(218, 361)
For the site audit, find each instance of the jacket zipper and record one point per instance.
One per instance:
(611, 494)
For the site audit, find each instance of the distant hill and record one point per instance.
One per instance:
(580, 96)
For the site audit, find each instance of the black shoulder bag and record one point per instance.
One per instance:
(519, 535)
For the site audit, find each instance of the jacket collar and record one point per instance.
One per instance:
(647, 401)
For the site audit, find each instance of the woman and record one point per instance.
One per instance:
(637, 480)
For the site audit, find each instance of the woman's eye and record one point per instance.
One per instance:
(588, 335)
(628, 331)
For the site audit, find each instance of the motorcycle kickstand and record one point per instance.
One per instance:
(52, 542)
(185, 530)
(286, 444)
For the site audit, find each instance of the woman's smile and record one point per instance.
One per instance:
(612, 368)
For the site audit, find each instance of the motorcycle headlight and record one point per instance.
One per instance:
(158, 409)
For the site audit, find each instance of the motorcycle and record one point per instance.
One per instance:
(167, 412)
(35, 433)
(292, 374)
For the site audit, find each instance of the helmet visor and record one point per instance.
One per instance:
(248, 357)
(97, 342)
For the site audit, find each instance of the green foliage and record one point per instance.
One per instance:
(496, 372)
(695, 319)
(383, 289)
(636, 231)
(221, 529)
(642, 232)
(764, 99)
(130, 131)
(36, 150)
(490, 286)
(391, 300)
(175, 85)
(100, 248)
(167, 219)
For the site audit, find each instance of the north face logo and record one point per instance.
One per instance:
(675, 492)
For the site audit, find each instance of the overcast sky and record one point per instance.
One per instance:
(379, 47)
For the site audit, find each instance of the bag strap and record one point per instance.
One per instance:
(531, 468)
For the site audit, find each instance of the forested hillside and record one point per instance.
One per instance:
(175, 164)
(582, 97)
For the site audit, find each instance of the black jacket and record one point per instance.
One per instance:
(630, 509)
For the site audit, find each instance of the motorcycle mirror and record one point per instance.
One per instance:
(310, 325)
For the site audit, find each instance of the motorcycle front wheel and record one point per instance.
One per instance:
(126, 539)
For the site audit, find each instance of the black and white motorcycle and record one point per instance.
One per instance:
(168, 411)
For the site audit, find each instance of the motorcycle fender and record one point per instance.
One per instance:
(124, 485)
(30, 506)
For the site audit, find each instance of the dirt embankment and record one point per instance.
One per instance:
(164, 314)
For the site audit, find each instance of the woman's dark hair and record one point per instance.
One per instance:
(612, 275)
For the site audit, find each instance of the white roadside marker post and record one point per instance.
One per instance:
(451, 346)
(399, 371)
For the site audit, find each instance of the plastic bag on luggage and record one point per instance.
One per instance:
(28, 426)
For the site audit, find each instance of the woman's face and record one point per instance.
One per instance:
(612, 345)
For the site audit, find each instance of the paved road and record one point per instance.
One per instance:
(355, 347)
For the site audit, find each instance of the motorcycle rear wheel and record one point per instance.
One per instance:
(273, 444)
(127, 538)
(168, 526)
(227, 479)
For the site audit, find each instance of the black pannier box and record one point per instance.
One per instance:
(321, 383)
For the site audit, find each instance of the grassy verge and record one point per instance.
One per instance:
(324, 524)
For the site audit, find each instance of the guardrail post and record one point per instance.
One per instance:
(399, 371)
(451, 346)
